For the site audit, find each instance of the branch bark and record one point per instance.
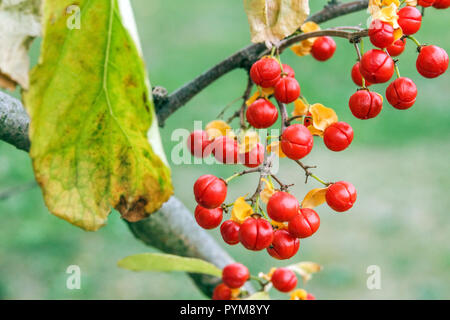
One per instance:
(244, 58)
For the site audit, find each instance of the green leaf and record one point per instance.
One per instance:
(90, 112)
(168, 262)
(260, 295)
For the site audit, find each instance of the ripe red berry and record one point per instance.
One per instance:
(225, 150)
(256, 234)
(284, 246)
(323, 48)
(365, 104)
(432, 61)
(441, 4)
(409, 19)
(282, 206)
(287, 69)
(338, 136)
(221, 292)
(356, 76)
(266, 72)
(235, 275)
(310, 296)
(197, 143)
(254, 157)
(287, 90)
(296, 141)
(284, 280)
(208, 218)
(397, 48)
(401, 93)
(381, 33)
(261, 114)
(230, 232)
(305, 224)
(425, 3)
(341, 196)
(210, 192)
(376, 66)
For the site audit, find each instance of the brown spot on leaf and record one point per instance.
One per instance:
(134, 211)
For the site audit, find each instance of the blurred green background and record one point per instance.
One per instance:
(399, 163)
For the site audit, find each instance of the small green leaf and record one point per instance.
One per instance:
(168, 262)
(260, 295)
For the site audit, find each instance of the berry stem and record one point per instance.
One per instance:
(238, 174)
(308, 173)
(397, 71)
(415, 41)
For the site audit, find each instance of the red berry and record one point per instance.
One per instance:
(197, 143)
(323, 48)
(432, 61)
(305, 224)
(261, 114)
(284, 280)
(381, 33)
(282, 206)
(376, 66)
(210, 192)
(441, 4)
(230, 232)
(288, 71)
(409, 19)
(365, 104)
(235, 275)
(256, 234)
(221, 292)
(356, 76)
(208, 218)
(341, 196)
(338, 136)
(254, 157)
(266, 72)
(401, 93)
(309, 296)
(397, 48)
(225, 150)
(284, 246)
(287, 90)
(425, 3)
(296, 141)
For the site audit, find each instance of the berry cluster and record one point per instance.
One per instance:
(272, 218)
(378, 66)
(235, 275)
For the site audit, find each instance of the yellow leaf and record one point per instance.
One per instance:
(217, 128)
(398, 33)
(314, 198)
(307, 27)
(322, 116)
(387, 14)
(300, 108)
(314, 131)
(389, 2)
(248, 140)
(252, 99)
(266, 92)
(278, 225)
(267, 192)
(299, 294)
(273, 20)
(411, 3)
(275, 147)
(302, 48)
(241, 210)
